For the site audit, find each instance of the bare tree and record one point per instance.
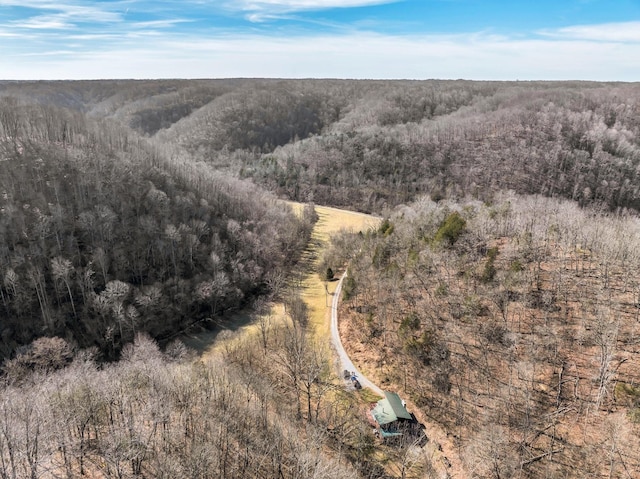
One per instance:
(62, 270)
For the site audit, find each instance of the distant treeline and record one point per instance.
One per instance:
(365, 144)
(455, 141)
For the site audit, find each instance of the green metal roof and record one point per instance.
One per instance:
(390, 409)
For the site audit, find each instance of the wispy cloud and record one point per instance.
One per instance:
(50, 53)
(293, 5)
(52, 22)
(9, 34)
(62, 16)
(82, 25)
(28, 4)
(357, 55)
(606, 32)
(160, 23)
(264, 10)
(92, 12)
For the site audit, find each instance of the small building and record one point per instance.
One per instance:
(391, 418)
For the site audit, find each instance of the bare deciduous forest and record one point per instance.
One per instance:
(103, 235)
(500, 295)
(514, 325)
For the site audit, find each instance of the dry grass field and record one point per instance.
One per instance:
(312, 287)
(316, 292)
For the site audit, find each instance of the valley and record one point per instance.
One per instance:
(169, 253)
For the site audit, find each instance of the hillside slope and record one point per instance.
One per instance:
(102, 236)
(367, 144)
(499, 296)
(513, 325)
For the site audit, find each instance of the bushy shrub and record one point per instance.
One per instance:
(450, 230)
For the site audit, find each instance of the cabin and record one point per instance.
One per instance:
(390, 417)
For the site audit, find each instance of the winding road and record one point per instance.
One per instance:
(331, 221)
(445, 457)
(315, 293)
(345, 360)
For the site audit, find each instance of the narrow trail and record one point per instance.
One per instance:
(344, 358)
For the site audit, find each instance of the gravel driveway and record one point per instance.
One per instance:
(345, 361)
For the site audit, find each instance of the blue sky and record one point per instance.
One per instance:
(473, 39)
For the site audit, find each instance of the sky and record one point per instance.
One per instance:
(381, 39)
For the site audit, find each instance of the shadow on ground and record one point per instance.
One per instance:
(201, 337)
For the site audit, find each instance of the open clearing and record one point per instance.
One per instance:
(330, 221)
(317, 298)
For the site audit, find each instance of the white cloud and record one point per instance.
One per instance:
(7, 34)
(60, 15)
(51, 53)
(52, 22)
(263, 10)
(474, 56)
(87, 37)
(159, 23)
(605, 32)
(293, 5)
(38, 4)
(93, 14)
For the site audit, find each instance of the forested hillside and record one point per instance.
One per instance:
(512, 324)
(500, 295)
(101, 236)
(573, 141)
(155, 415)
(365, 144)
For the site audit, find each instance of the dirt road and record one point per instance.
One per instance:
(323, 303)
(316, 293)
(323, 315)
(344, 360)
